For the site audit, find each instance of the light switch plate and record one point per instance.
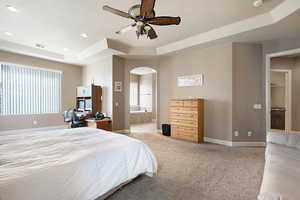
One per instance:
(257, 106)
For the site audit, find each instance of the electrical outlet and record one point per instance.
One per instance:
(250, 133)
(35, 122)
(236, 133)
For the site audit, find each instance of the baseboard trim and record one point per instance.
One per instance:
(248, 144)
(217, 141)
(234, 144)
(34, 129)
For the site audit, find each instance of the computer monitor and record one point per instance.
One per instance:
(88, 104)
(81, 105)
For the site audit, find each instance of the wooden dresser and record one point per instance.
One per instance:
(186, 117)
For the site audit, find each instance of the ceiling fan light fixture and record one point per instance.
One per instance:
(140, 23)
(258, 3)
(135, 11)
(11, 8)
(41, 46)
(84, 35)
(8, 33)
(147, 28)
(144, 16)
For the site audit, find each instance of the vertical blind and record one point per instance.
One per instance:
(27, 90)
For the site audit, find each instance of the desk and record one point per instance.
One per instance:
(104, 124)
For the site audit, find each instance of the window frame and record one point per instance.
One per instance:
(35, 68)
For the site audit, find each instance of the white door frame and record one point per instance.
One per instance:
(288, 96)
(268, 81)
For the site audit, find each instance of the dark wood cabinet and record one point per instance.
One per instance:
(104, 124)
(278, 119)
(89, 98)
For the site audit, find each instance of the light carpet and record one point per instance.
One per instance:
(189, 171)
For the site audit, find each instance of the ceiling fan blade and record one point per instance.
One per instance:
(147, 7)
(116, 11)
(151, 33)
(164, 21)
(126, 29)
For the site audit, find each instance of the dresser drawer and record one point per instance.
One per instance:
(190, 103)
(176, 103)
(185, 129)
(184, 123)
(184, 110)
(184, 116)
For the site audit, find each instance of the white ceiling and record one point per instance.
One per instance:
(57, 24)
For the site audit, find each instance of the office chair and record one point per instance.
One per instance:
(71, 117)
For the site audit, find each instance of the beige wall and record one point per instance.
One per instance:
(247, 91)
(118, 97)
(296, 95)
(215, 63)
(100, 73)
(71, 78)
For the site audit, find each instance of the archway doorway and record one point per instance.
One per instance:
(143, 100)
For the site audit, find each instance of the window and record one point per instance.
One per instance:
(134, 93)
(27, 90)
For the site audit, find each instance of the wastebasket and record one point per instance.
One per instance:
(166, 129)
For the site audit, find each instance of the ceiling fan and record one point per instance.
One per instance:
(144, 16)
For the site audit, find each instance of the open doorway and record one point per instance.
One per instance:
(143, 100)
(283, 84)
(281, 99)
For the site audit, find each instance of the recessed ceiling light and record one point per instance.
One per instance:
(11, 8)
(66, 49)
(40, 46)
(84, 35)
(258, 3)
(8, 33)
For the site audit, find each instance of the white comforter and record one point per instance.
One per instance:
(282, 169)
(69, 164)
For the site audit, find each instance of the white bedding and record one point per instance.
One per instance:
(69, 164)
(282, 168)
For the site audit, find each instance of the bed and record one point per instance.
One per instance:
(282, 168)
(69, 164)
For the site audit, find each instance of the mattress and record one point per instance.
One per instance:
(282, 168)
(69, 164)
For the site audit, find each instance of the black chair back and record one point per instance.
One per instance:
(70, 116)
